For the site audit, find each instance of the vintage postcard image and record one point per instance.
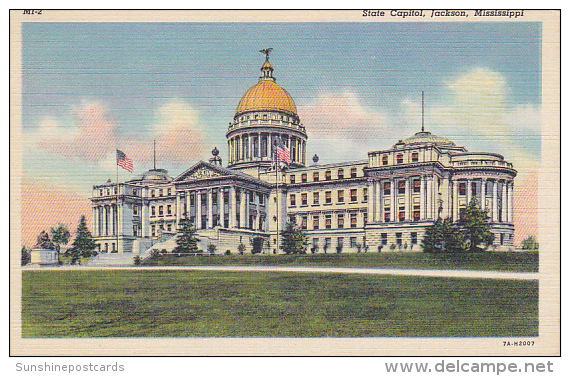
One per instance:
(285, 183)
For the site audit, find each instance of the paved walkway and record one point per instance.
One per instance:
(453, 273)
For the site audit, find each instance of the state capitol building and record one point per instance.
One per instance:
(383, 203)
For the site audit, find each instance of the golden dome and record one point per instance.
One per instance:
(266, 95)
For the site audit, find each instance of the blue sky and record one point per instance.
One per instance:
(132, 71)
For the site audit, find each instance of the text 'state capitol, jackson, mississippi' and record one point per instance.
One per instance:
(383, 203)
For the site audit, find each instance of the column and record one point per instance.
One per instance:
(495, 217)
(371, 199)
(242, 208)
(429, 180)
(511, 200)
(407, 200)
(144, 223)
(422, 197)
(210, 209)
(258, 145)
(232, 207)
(483, 193)
(198, 220)
(504, 204)
(379, 212)
(94, 218)
(187, 213)
(392, 201)
(468, 191)
(178, 209)
(455, 200)
(221, 213)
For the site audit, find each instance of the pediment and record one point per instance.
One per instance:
(201, 171)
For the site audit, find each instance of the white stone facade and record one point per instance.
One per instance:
(384, 203)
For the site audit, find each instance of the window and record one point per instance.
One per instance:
(327, 243)
(401, 214)
(251, 197)
(399, 159)
(315, 243)
(340, 220)
(100, 192)
(152, 193)
(384, 160)
(316, 176)
(461, 189)
(303, 178)
(135, 192)
(292, 200)
(304, 199)
(384, 238)
(327, 175)
(340, 173)
(328, 198)
(292, 179)
(315, 222)
(386, 188)
(153, 211)
(353, 195)
(417, 185)
(365, 218)
(353, 172)
(160, 193)
(473, 189)
(160, 211)
(414, 236)
(340, 196)
(135, 210)
(315, 198)
(153, 230)
(353, 242)
(416, 213)
(415, 157)
(386, 214)
(261, 200)
(135, 230)
(304, 222)
(328, 220)
(399, 238)
(192, 200)
(352, 220)
(339, 242)
(401, 187)
(168, 192)
(364, 194)
(169, 209)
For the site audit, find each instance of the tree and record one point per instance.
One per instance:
(26, 257)
(186, 242)
(83, 244)
(471, 232)
(60, 235)
(241, 248)
(211, 248)
(293, 240)
(476, 226)
(530, 243)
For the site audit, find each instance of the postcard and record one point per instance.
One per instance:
(365, 182)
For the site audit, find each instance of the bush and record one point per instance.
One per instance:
(228, 252)
(530, 243)
(137, 260)
(241, 248)
(211, 249)
(339, 249)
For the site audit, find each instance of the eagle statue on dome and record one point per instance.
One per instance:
(266, 51)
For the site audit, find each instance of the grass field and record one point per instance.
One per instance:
(142, 303)
(497, 261)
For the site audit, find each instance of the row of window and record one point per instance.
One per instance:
(328, 175)
(354, 243)
(267, 117)
(399, 238)
(328, 197)
(400, 158)
(340, 218)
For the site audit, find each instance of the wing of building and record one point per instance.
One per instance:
(383, 203)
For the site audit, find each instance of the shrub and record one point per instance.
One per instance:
(137, 260)
(241, 248)
(228, 252)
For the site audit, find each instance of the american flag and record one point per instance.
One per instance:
(124, 162)
(282, 152)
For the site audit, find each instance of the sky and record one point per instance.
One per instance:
(91, 88)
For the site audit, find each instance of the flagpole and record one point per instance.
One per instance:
(117, 203)
(277, 192)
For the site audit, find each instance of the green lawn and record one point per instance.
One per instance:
(143, 303)
(498, 261)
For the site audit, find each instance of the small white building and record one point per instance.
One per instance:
(44, 257)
